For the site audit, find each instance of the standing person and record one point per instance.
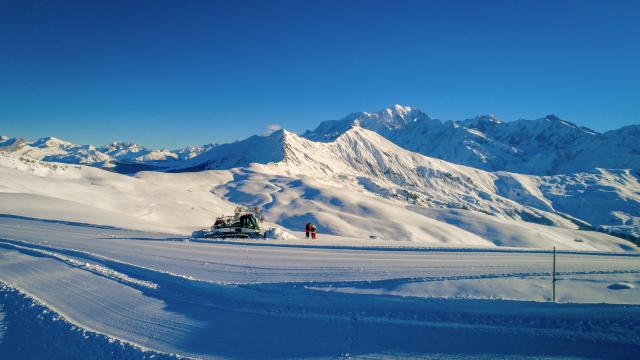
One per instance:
(313, 232)
(307, 229)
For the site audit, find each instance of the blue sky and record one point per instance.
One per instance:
(176, 73)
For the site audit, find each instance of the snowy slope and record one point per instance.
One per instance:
(544, 146)
(610, 198)
(367, 163)
(151, 201)
(335, 197)
(341, 184)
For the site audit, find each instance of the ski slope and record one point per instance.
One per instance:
(272, 300)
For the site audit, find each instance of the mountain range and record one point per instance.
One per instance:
(545, 146)
(117, 153)
(547, 171)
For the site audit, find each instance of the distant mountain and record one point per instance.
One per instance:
(383, 122)
(545, 146)
(114, 155)
(578, 178)
(607, 200)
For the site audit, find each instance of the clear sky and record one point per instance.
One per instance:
(175, 73)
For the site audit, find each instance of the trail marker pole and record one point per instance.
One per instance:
(553, 277)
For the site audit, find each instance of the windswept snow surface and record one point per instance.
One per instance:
(273, 300)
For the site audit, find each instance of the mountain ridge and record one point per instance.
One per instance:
(366, 162)
(545, 146)
(364, 159)
(106, 156)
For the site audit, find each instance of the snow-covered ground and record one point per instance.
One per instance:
(272, 300)
(359, 186)
(416, 257)
(149, 201)
(591, 179)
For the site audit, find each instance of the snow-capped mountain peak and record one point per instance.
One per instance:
(396, 116)
(482, 122)
(365, 159)
(122, 150)
(52, 142)
(388, 119)
(118, 152)
(545, 146)
(552, 118)
(368, 156)
(398, 111)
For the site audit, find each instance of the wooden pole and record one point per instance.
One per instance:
(553, 277)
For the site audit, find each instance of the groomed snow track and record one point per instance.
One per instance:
(243, 301)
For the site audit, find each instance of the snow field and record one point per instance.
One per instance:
(264, 300)
(416, 256)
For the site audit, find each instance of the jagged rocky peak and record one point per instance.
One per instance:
(481, 122)
(398, 111)
(545, 146)
(396, 116)
(122, 145)
(555, 119)
(388, 119)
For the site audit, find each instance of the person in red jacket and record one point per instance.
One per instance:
(313, 231)
(307, 229)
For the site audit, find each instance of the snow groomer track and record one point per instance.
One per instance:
(259, 301)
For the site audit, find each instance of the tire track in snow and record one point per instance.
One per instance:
(96, 303)
(57, 337)
(391, 248)
(122, 266)
(294, 301)
(94, 268)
